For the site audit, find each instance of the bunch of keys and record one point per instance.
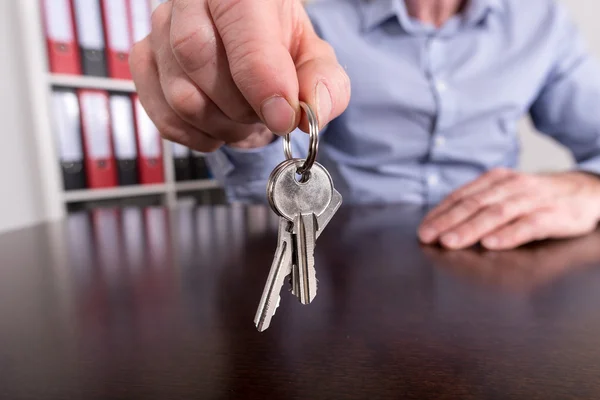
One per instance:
(301, 193)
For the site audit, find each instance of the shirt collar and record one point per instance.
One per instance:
(376, 12)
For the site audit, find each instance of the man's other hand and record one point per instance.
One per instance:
(217, 71)
(504, 209)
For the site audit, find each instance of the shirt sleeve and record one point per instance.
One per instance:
(244, 173)
(568, 106)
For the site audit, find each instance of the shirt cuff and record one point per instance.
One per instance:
(244, 173)
(591, 166)
(254, 164)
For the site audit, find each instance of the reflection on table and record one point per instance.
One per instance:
(151, 303)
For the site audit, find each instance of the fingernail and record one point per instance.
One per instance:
(278, 115)
(324, 103)
(450, 239)
(491, 242)
(427, 235)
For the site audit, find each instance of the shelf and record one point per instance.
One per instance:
(113, 193)
(188, 186)
(90, 82)
(74, 196)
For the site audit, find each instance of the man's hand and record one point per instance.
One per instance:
(217, 71)
(504, 209)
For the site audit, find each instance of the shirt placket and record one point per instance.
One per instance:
(437, 74)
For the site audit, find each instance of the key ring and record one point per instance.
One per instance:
(313, 146)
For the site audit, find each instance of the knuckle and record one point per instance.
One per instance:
(454, 196)
(194, 48)
(160, 17)
(185, 101)
(326, 49)
(499, 211)
(168, 132)
(246, 59)
(171, 128)
(140, 56)
(473, 203)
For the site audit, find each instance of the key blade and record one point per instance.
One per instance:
(327, 215)
(304, 229)
(322, 221)
(280, 269)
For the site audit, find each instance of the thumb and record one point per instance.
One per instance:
(323, 82)
(257, 37)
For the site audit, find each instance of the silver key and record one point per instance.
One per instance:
(305, 236)
(322, 221)
(304, 208)
(288, 197)
(302, 203)
(327, 215)
(280, 269)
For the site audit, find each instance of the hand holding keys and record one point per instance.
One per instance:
(305, 205)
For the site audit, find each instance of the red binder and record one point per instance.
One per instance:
(95, 123)
(150, 160)
(117, 30)
(59, 23)
(141, 15)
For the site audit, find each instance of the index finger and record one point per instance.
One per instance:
(257, 39)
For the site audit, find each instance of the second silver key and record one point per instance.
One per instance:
(302, 203)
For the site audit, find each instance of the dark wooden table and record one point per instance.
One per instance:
(151, 304)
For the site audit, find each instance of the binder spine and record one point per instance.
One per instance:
(117, 59)
(100, 168)
(128, 172)
(63, 57)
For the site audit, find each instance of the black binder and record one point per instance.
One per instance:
(67, 131)
(200, 168)
(127, 172)
(90, 37)
(123, 133)
(182, 162)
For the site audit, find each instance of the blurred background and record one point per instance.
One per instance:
(74, 136)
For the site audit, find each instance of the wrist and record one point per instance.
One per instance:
(587, 184)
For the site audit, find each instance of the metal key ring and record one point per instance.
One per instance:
(313, 146)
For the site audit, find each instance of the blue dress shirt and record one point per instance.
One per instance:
(433, 108)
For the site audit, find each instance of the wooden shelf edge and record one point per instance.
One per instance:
(90, 82)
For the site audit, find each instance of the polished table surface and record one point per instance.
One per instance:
(157, 304)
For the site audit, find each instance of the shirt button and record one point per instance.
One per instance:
(441, 86)
(440, 141)
(432, 179)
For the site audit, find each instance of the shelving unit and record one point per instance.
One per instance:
(39, 90)
(137, 190)
(90, 82)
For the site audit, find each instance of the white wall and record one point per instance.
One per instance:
(539, 152)
(20, 195)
